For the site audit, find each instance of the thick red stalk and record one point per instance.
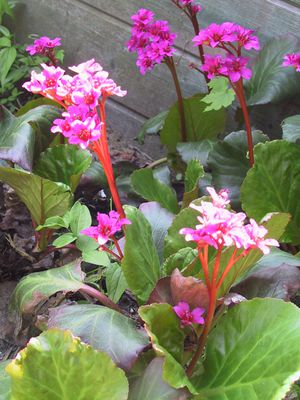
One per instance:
(240, 93)
(101, 297)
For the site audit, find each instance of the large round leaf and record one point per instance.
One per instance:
(140, 263)
(253, 353)
(42, 197)
(273, 184)
(104, 329)
(38, 286)
(229, 163)
(4, 381)
(63, 163)
(200, 124)
(291, 128)
(271, 82)
(23, 138)
(57, 366)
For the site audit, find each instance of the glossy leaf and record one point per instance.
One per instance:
(5, 383)
(162, 324)
(152, 126)
(54, 223)
(200, 124)
(151, 386)
(7, 58)
(102, 328)
(196, 151)
(282, 282)
(251, 353)
(64, 239)
(194, 172)
(271, 82)
(80, 218)
(184, 258)
(115, 282)
(229, 163)
(160, 220)
(23, 138)
(38, 286)
(221, 95)
(55, 365)
(146, 185)
(42, 197)
(96, 257)
(63, 163)
(291, 128)
(273, 184)
(140, 263)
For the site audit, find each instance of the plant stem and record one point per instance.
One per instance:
(195, 23)
(210, 314)
(104, 248)
(240, 93)
(117, 246)
(156, 163)
(101, 297)
(170, 63)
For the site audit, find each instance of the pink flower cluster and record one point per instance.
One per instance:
(79, 95)
(292, 60)
(108, 225)
(232, 38)
(43, 45)
(187, 317)
(152, 40)
(219, 227)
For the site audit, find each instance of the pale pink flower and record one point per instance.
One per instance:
(42, 45)
(108, 225)
(84, 132)
(188, 317)
(257, 235)
(219, 199)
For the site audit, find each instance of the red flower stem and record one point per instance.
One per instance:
(210, 314)
(203, 260)
(240, 93)
(101, 297)
(196, 27)
(117, 246)
(230, 264)
(110, 252)
(170, 63)
(102, 151)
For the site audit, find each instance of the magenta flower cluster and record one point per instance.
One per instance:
(152, 40)
(79, 95)
(43, 45)
(193, 8)
(292, 60)
(108, 225)
(219, 227)
(188, 317)
(231, 38)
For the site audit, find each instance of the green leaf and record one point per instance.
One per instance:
(5, 383)
(23, 138)
(96, 257)
(64, 239)
(63, 163)
(115, 282)
(152, 126)
(196, 151)
(80, 218)
(273, 184)
(167, 339)
(183, 259)
(39, 286)
(229, 163)
(271, 82)
(5, 42)
(102, 328)
(151, 189)
(160, 220)
(7, 58)
(54, 223)
(151, 386)
(251, 353)
(194, 172)
(140, 263)
(291, 128)
(55, 365)
(31, 104)
(200, 124)
(174, 241)
(85, 243)
(221, 95)
(42, 197)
